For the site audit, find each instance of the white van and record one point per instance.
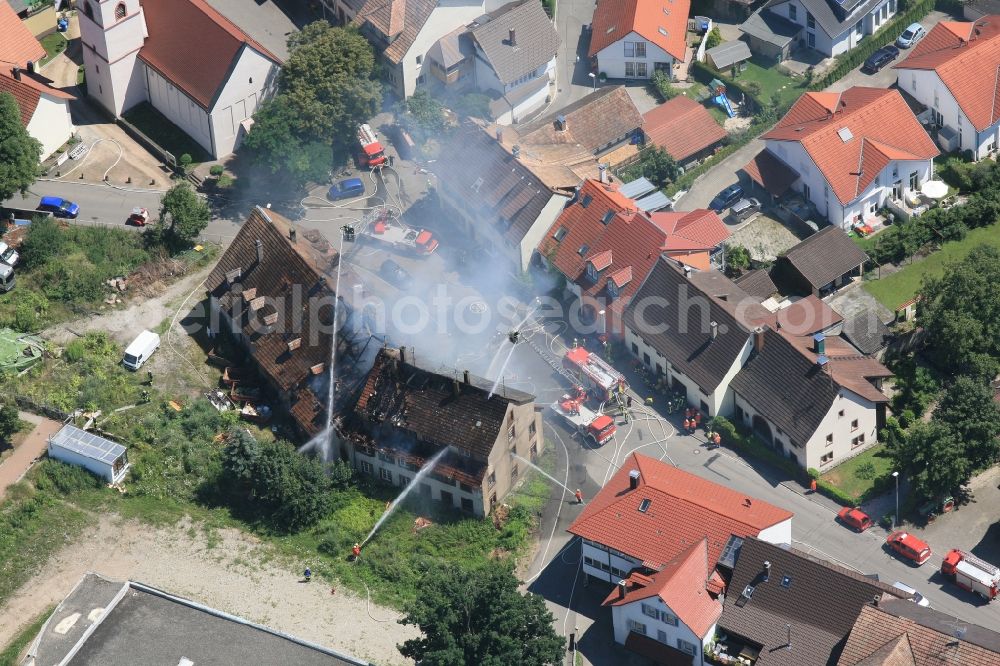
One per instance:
(141, 349)
(7, 279)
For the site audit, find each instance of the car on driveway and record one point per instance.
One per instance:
(880, 59)
(909, 547)
(727, 198)
(856, 519)
(744, 209)
(59, 207)
(918, 598)
(395, 274)
(346, 189)
(913, 34)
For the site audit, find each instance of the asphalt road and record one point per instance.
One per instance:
(572, 64)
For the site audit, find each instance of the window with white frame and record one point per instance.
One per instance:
(366, 467)
(640, 69)
(686, 646)
(668, 618)
(826, 459)
(793, 11)
(385, 474)
(640, 49)
(629, 49)
(637, 627)
(650, 611)
(630, 69)
(662, 636)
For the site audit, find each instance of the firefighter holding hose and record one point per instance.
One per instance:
(356, 551)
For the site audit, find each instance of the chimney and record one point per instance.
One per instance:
(260, 250)
(603, 169)
(499, 134)
(456, 388)
(788, 643)
(767, 570)
(715, 329)
(822, 360)
(758, 339)
(819, 343)
(516, 152)
(402, 354)
(687, 272)
(633, 479)
(292, 234)
(622, 588)
(561, 123)
(16, 72)
(510, 38)
(465, 376)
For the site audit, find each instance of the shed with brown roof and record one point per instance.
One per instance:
(822, 263)
(684, 128)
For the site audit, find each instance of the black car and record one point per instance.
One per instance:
(395, 274)
(880, 59)
(727, 198)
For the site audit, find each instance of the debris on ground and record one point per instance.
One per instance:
(420, 523)
(500, 515)
(174, 405)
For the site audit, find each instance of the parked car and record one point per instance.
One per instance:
(139, 217)
(346, 189)
(880, 59)
(59, 207)
(856, 519)
(727, 198)
(140, 349)
(744, 209)
(7, 278)
(8, 255)
(918, 598)
(395, 274)
(913, 34)
(909, 547)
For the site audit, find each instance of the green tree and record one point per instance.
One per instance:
(478, 616)
(10, 422)
(737, 259)
(967, 408)
(932, 456)
(276, 145)
(657, 165)
(424, 112)
(19, 151)
(714, 38)
(183, 215)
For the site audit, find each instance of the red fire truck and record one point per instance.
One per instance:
(372, 154)
(971, 573)
(597, 375)
(598, 427)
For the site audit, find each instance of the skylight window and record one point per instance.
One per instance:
(644, 505)
(747, 592)
(560, 233)
(476, 185)
(845, 134)
(786, 581)
(662, 31)
(586, 200)
(607, 217)
(731, 551)
(583, 249)
(666, 11)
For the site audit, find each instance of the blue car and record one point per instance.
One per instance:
(59, 207)
(726, 198)
(346, 189)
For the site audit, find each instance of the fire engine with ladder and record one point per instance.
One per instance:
(378, 225)
(599, 428)
(601, 380)
(372, 154)
(971, 573)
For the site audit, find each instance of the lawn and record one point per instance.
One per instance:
(170, 137)
(904, 284)
(858, 476)
(772, 81)
(53, 44)
(717, 113)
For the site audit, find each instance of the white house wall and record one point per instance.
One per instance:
(103, 470)
(664, 632)
(179, 109)
(109, 56)
(777, 534)
(611, 59)
(601, 563)
(250, 82)
(51, 124)
(834, 45)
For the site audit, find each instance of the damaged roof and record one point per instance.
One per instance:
(597, 121)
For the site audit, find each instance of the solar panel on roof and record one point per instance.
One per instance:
(87, 444)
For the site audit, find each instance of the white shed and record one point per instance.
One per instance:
(100, 456)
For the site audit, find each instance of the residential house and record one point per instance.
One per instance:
(827, 26)
(821, 264)
(668, 539)
(850, 153)
(631, 39)
(406, 415)
(605, 246)
(184, 58)
(787, 608)
(684, 128)
(271, 292)
(952, 71)
(104, 621)
(503, 206)
(899, 632)
(44, 109)
(18, 48)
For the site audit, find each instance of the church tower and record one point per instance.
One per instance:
(112, 32)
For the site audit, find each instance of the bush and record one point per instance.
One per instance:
(217, 170)
(713, 39)
(866, 470)
(834, 493)
(661, 84)
(186, 161)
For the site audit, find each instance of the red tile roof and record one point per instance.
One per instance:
(852, 135)
(682, 127)
(193, 46)
(662, 22)
(18, 46)
(682, 585)
(770, 173)
(699, 229)
(684, 509)
(966, 57)
(27, 92)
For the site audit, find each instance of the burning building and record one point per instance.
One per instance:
(404, 415)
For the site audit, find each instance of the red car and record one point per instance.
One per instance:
(856, 519)
(139, 217)
(908, 546)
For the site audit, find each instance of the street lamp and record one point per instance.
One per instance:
(593, 78)
(604, 323)
(895, 518)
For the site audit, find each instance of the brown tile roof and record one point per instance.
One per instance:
(27, 92)
(966, 57)
(18, 46)
(682, 127)
(851, 136)
(194, 46)
(662, 22)
(595, 121)
(308, 412)
(807, 316)
(536, 40)
(757, 283)
(770, 173)
(684, 509)
(899, 633)
(825, 256)
(796, 591)
(380, 16)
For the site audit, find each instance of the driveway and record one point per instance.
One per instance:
(18, 463)
(572, 64)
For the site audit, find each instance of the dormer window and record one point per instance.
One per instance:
(592, 272)
(560, 233)
(612, 289)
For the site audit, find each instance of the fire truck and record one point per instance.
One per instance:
(971, 573)
(372, 154)
(377, 226)
(601, 380)
(600, 428)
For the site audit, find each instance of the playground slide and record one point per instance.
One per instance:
(723, 101)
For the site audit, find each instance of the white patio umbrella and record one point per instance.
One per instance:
(935, 189)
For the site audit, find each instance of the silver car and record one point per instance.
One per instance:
(744, 209)
(918, 598)
(913, 34)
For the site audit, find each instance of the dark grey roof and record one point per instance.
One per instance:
(451, 49)
(17, 5)
(535, 40)
(757, 283)
(143, 625)
(792, 391)
(832, 16)
(820, 602)
(681, 308)
(942, 623)
(771, 28)
(866, 332)
(825, 256)
(728, 54)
